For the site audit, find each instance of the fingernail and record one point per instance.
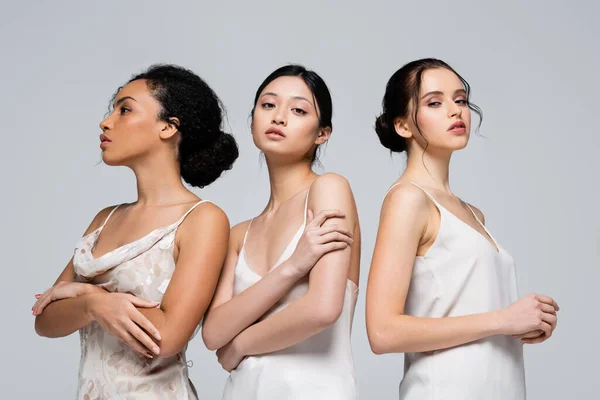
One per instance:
(157, 335)
(156, 350)
(38, 295)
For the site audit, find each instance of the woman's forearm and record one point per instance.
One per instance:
(404, 333)
(227, 320)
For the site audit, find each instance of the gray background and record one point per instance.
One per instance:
(533, 67)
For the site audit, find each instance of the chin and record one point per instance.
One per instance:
(459, 143)
(112, 161)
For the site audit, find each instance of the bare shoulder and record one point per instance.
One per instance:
(478, 212)
(237, 233)
(406, 198)
(100, 218)
(331, 184)
(206, 217)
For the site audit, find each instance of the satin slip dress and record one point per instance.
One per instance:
(463, 273)
(108, 369)
(319, 368)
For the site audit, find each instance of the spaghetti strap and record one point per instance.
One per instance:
(110, 215)
(435, 202)
(428, 194)
(190, 210)
(482, 225)
(246, 234)
(306, 206)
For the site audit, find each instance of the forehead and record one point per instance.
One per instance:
(137, 89)
(440, 79)
(289, 86)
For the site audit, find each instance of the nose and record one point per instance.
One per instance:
(105, 124)
(454, 110)
(279, 118)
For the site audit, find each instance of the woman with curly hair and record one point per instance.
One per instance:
(144, 273)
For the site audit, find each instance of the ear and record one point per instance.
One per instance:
(170, 128)
(402, 128)
(323, 135)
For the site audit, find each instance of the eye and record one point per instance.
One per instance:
(299, 111)
(268, 105)
(434, 104)
(462, 101)
(124, 110)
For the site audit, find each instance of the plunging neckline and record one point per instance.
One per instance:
(278, 261)
(490, 241)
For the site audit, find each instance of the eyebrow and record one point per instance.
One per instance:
(293, 97)
(122, 99)
(438, 93)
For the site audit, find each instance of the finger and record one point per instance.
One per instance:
(547, 328)
(145, 323)
(333, 228)
(547, 300)
(321, 217)
(529, 335)
(550, 319)
(309, 216)
(335, 237)
(43, 297)
(136, 301)
(134, 344)
(547, 308)
(42, 305)
(38, 296)
(334, 246)
(538, 339)
(142, 337)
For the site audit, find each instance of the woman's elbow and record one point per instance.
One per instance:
(211, 341)
(379, 340)
(170, 348)
(327, 314)
(41, 329)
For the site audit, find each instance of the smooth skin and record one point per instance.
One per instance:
(327, 254)
(409, 224)
(147, 145)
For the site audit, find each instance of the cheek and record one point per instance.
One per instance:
(430, 121)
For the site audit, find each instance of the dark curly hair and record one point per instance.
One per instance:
(403, 87)
(316, 85)
(205, 151)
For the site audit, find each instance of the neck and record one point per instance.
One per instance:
(159, 181)
(430, 169)
(286, 180)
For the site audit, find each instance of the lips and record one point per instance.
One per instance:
(104, 138)
(457, 126)
(275, 131)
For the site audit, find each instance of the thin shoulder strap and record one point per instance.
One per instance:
(110, 215)
(474, 215)
(247, 230)
(428, 194)
(420, 187)
(190, 210)
(306, 205)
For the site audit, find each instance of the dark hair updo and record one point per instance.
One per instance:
(317, 87)
(205, 151)
(404, 86)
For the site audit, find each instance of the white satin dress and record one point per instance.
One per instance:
(463, 273)
(319, 368)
